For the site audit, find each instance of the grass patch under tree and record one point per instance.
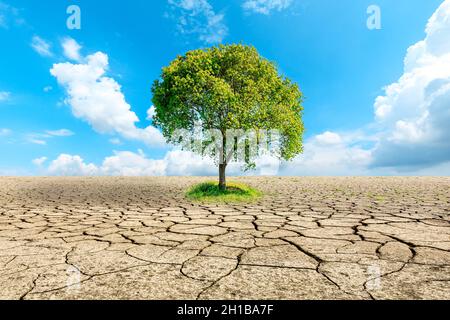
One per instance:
(211, 192)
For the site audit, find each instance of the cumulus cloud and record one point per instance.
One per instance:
(335, 158)
(41, 46)
(265, 6)
(197, 17)
(329, 154)
(410, 133)
(98, 99)
(121, 163)
(328, 138)
(174, 163)
(125, 163)
(180, 163)
(71, 49)
(39, 161)
(414, 112)
(69, 165)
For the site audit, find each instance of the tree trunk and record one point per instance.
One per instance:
(222, 177)
(223, 163)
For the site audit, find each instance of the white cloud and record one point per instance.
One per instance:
(266, 165)
(9, 15)
(39, 161)
(328, 138)
(37, 141)
(151, 113)
(411, 132)
(266, 6)
(60, 133)
(329, 154)
(4, 95)
(197, 17)
(115, 141)
(48, 88)
(319, 159)
(414, 112)
(41, 138)
(125, 163)
(185, 163)
(71, 49)
(98, 100)
(41, 46)
(68, 165)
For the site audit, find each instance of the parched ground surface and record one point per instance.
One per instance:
(308, 238)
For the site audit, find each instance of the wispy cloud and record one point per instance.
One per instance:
(9, 16)
(265, 6)
(4, 95)
(60, 133)
(41, 46)
(41, 138)
(4, 132)
(37, 141)
(2, 20)
(198, 18)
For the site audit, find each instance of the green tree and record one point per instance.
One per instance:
(229, 88)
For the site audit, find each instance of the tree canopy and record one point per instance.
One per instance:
(228, 88)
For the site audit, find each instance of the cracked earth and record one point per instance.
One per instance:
(308, 238)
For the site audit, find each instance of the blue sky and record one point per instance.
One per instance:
(356, 83)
